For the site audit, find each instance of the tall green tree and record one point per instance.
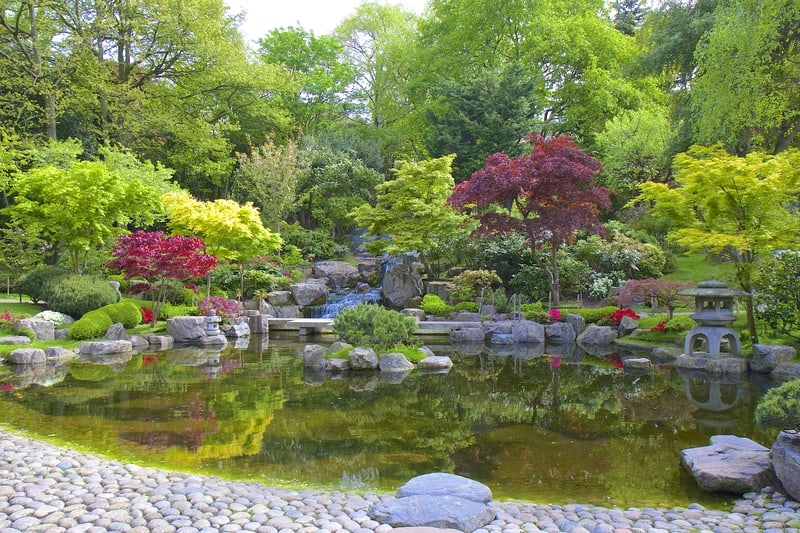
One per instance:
(411, 213)
(747, 90)
(741, 208)
(319, 74)
(487, 114)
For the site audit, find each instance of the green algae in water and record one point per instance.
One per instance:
(578, 431)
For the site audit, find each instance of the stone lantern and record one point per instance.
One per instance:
(714, 314)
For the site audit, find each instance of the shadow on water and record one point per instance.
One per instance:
(545, 424)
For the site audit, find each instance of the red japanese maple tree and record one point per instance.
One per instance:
(547, 196)
(163, 261)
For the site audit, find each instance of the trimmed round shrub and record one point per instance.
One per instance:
(91, 325)
(36, 282)
(780, 407)
(77, 295)
(127, 313)
(433, 304)
(373, 326)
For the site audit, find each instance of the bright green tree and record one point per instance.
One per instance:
(741, 208)
(80, 208)
(412, 212)
(229, 230)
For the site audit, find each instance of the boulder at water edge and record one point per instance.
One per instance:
(786, 461)
(438, 500)
(730, 464)
(766, 357)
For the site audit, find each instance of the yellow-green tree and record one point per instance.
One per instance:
(411, 213)
(740, 208)
(230, 230)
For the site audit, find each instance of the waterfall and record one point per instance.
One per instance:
(338, 300)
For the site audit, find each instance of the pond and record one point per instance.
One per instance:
(575, 428)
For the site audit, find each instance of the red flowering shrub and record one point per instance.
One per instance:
(613, 319)
(147, 315)
(554, 315)
(659, 328)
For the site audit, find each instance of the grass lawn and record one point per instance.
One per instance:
(697, 267)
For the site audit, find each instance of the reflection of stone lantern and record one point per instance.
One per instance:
(714, 315)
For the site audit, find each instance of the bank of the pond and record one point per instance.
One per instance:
(51, 488)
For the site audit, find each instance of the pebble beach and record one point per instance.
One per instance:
(54, 489)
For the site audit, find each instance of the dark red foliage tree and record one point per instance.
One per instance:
(162, 261)
(547, 196)
(655, 292)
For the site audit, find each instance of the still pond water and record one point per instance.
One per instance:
(575, 428)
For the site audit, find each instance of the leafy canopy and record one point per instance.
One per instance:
(80, 207)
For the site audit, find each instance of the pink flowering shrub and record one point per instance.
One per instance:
(224, 307)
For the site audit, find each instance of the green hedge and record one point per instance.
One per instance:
(94, 324)
(76, 295)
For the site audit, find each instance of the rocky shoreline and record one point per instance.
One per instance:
(54, 489)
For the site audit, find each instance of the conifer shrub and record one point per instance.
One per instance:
(91, 325)
(780, 407)
(35, 283)
(373, 326)
(77, 295)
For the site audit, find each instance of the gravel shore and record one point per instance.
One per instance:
(53, 489)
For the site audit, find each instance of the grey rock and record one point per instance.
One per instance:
(559, 333)
(43, 329)
(577, 322)
(258, 323)
(186, 329)
(528, 332)
(314, 357)
(27, 356)
(239, 328)
(786, 371)
(402, 284)
(137, 341)
(340, 274)
(441, 484)
(61, 334)
(116, 333)
(726, 366)
(213, 340)
(501, 339)
(415, 312)
(59, 354)
(730, 464)
(637, 364)
(107, 347)
(766, 357)
(442, 289)
(278, 298)
(786, 462)
(467, 335)
(337, 365)
(394, 362)
(662, 355)
(466, 316)
(627, 326)
(363, 359)
(162, 342)
(287, 311)
(338, 346)
(598, 335)
(14, 340)
(433, 511)
(310, 292)
(436, 362)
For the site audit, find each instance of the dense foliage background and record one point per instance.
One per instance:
(107, 108)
